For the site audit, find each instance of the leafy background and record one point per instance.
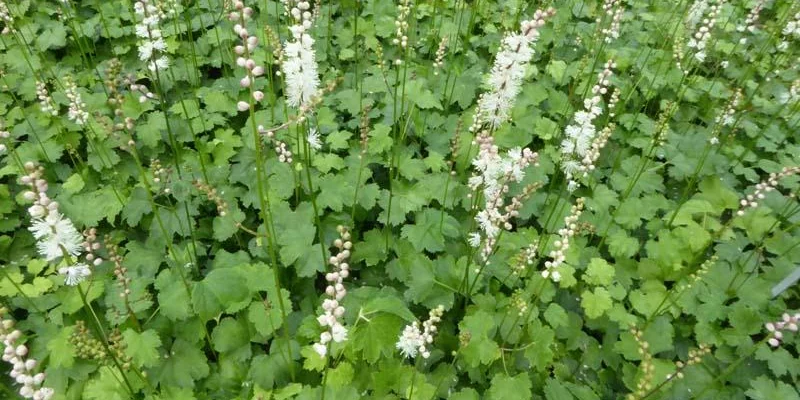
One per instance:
(206, 293)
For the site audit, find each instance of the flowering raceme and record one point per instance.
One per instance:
(299, 65)
(508, 70)
(55, 234)
(151, 42)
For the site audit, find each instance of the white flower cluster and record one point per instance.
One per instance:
(245, 51)
(332, 310)
(55, 233)
(751, 20)
(45, 101)
(765, 186)
(22, 368)
(440, 51)
(5, 16)
(313, 139)
(614, 10)
(699, 39)
(4, 135)
(300, 66)
(593, 154)
(414, 341)
(562, 244)
(791, 30)
(524, 259)
(77, 108)
(401, 27)
(507, 72)
(696, 12)
(793, 95)
(144, 93)
(727, 118)
(151, 42)
(494, 173)
(787, 322)
(581, 133)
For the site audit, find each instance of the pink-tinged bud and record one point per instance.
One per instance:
(252, 41)
(773, 342)
(258, 95)
(240, 61)
(248, 12)
(242, 106)
(239, 50)
(29, 195)
(770, 326)
(258, 70)
(250, 64)
(233, 16)
(142, 99)
(245, 82)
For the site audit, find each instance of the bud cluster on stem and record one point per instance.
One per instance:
(332, 309)
(77, 108)
(699, 39)
(580, 135)
(566, 233)
(244, 52)
(46, 103)
(765, 186)
(614, 9)
(788, 322)
(750, 23)
(23, 368)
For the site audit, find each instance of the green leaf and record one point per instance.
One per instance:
(510, 387)
(223, 289)
(142, 347)
(73, 184)
(429, 230)
(596, 302)
(556, 316)
(106, 386)
(762, 388)
(599, 272)
(137, 206)
(173, 299)
(231, 335)
(62, 351)
(185, 365)
(480, 349)
(377, 336)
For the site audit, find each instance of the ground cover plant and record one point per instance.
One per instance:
(242, 199)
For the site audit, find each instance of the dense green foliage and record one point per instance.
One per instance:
(214, 252)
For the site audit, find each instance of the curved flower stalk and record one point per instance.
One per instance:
(765, 186)
(332, 310)
(577, 146)
(507, 72)
(151, 43)
(776, 329)
(299, 66)
(413, 341)
(55, 234)
(23, 369)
